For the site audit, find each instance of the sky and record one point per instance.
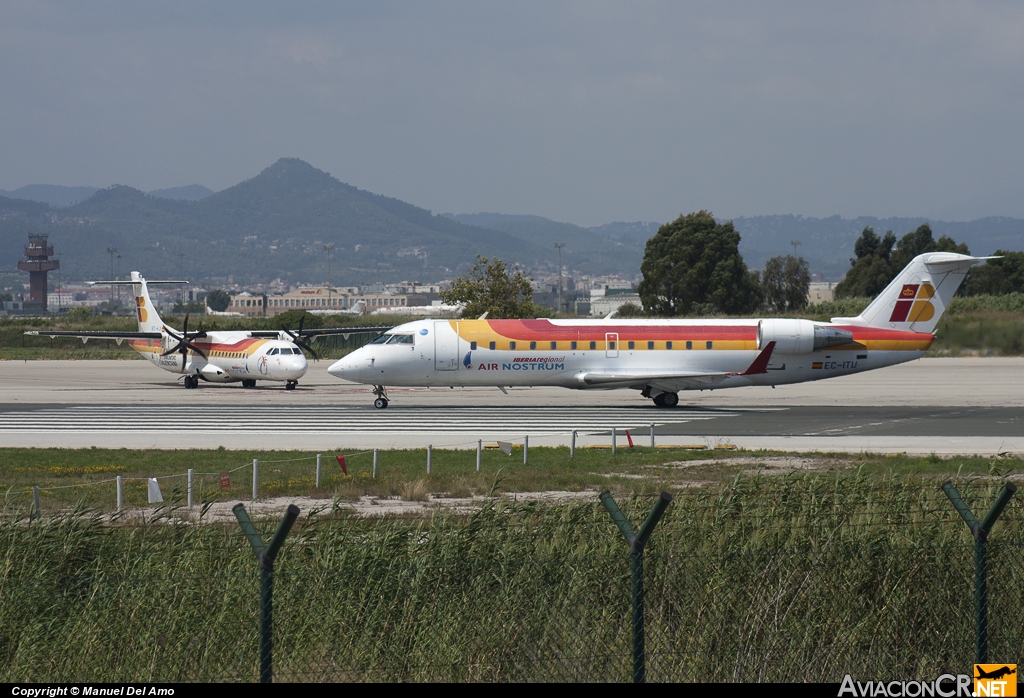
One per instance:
(585, 112)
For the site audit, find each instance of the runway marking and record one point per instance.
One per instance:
(343, 419)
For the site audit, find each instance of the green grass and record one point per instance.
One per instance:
(804, 577)
(67, 477)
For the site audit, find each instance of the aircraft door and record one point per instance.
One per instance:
(446, 346)
(611, 345)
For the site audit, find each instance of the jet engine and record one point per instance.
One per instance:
(799, 336)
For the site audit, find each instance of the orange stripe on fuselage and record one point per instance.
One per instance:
(722, 337)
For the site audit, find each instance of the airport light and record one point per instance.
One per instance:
(328, 248)
(559, 246)
(111, 251)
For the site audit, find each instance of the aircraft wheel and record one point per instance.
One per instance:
(290, 385)
(249, 383)
(666, 400)
(380, 403)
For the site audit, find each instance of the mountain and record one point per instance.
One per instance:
(51, 194)
(827, 243)
(189, 192)
(273, 225)
(587, 249)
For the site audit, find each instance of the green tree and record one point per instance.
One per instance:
(627, 310)
(878, 261)
(785, 282)
(218, 300)
(492, 288)
(693, 264)
(998, 277)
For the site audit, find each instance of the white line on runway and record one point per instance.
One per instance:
(341, 420)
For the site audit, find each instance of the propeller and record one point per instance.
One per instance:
(185, 342)
(298, 339)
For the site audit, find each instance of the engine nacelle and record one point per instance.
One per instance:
(799, 336)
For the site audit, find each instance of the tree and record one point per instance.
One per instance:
(627, 310)
(785, 282)
(218, 300)
(693, 264)
(492, 288)
(880, 260)
(998, 277)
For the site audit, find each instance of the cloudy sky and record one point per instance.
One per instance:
(586, 112)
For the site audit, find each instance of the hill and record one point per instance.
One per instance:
(189, 192)
(273, 225)
(53, 194)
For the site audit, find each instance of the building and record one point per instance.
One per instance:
(322, 298)
(37, 263)
(821, 292)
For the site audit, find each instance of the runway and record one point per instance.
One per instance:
(945, 406)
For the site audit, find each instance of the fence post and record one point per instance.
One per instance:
(191, 474)
(614, 432)
(636, 542)
(318, 471)
(430, 456)
(255, 478)
(526, 449)
(652, 436)
(265, 556)
(572, 445)
(479, 452)
(37, 508)
(375, 457)
(980, 531)
(120, 494)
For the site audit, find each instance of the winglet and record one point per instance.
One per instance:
(760, 364)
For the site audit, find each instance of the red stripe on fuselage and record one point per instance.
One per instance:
(545, 330)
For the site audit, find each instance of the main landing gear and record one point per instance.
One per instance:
(666, 399)
(249, 383)
(382, 397)
(191, 382)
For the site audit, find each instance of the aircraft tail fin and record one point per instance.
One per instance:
(917, 297)
(149, 318)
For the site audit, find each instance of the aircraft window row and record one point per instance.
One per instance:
(573, 346)
(229, 354)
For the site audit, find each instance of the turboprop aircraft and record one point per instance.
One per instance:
(662, 358)
(214, 356)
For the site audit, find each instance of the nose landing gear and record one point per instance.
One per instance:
(290, 385)
(382, 397)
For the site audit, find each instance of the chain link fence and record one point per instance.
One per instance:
(515, 593)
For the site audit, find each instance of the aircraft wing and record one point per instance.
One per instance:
(343, 331)
(86, 336)
(674, 379)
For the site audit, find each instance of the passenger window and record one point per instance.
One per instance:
(512, 345)
(650, 345)
(554, 345)
(593, 345)
(492, 345)
(472, 345)
(708, 344)
(533, 345)
(689, 344)
(572, 345)
(632, 345)
(668, 345)
(611, 345)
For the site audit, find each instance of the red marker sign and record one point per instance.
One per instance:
(341, 462)
(225, 481)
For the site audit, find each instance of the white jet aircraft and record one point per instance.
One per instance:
(213, 356)
(661, 358)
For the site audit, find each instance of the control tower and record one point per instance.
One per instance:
(37, 262)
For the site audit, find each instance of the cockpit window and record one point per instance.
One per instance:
(383, 338)
(272, 352)
(401, 339)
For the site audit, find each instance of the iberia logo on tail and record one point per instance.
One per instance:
(914, 304)
(141, 303)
